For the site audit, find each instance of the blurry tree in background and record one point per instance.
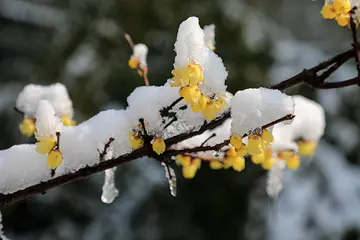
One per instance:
(80, 43)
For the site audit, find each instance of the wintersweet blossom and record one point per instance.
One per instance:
(158, 145)
(138, 58)
(198, 72)
(339, 10)
(27, 126)
(48, 128)
(189, 165)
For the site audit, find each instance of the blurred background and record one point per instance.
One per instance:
(80, 43)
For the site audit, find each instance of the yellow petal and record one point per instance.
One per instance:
(159, 145)
(195, 73)
(27, 127)
(184, 160)
(257, 159)
(54, 159)
(267, 136)
(255, 145)
(190, 171)
(236, 141)
(293, 162)
(231, 152)
(220, 101)
(238, 164)
(197, 162)
(45, 145)
(241, 152)
(135, 141)
(133, 62)
(343, 19)
(67, 121)
(228, 162)
(328, 11)
(210, 111)
(307, 148)
(268, 163)
(215, 164)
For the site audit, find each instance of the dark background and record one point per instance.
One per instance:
(80, 43)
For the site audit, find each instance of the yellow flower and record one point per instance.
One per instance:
(210, 111)
(190, 171)
(67, 121)
(238, 163)
(257, 159)
(328, 11)
(339, 10)
(180, 78)
(267, 136)
(291, 158)
(45, 145)
(135, 140)
(293, 162)
(191, 94)
(201, 104)
(307, 148)
(241, 152)
(212, 47)
(268, 162)
(236, 141)
(159, 145)
(197, 162)
(54, 159)
(134, 62)
(255, 144)
(183, 160)
(231, 152)
(215, 164)
(343, 19)
(195, 73)
(228, 162)
(27, 127)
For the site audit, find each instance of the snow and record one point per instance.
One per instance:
(2, 237)
(146, 102)
(140, 52)
(190, 47)
(56, 94)
(209, 35)
(21, 166)
(253, 108)
(47, 123)
(274, 181)
(308, 124)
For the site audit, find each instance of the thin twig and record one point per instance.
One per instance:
(106, 147)
(164, 112)
(129, 40)
(206, 140)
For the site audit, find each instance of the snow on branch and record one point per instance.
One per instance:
(191, 118)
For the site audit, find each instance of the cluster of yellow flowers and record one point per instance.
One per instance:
(338, 10)
(136, 141)
(190, 165)
(188, 79)
(27, 127)
(49, 145)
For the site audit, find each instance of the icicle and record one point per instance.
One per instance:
(2, 236)
(109, 190)
(171, 177)
(274, 183)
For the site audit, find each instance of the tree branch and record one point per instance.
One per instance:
(310, 76)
